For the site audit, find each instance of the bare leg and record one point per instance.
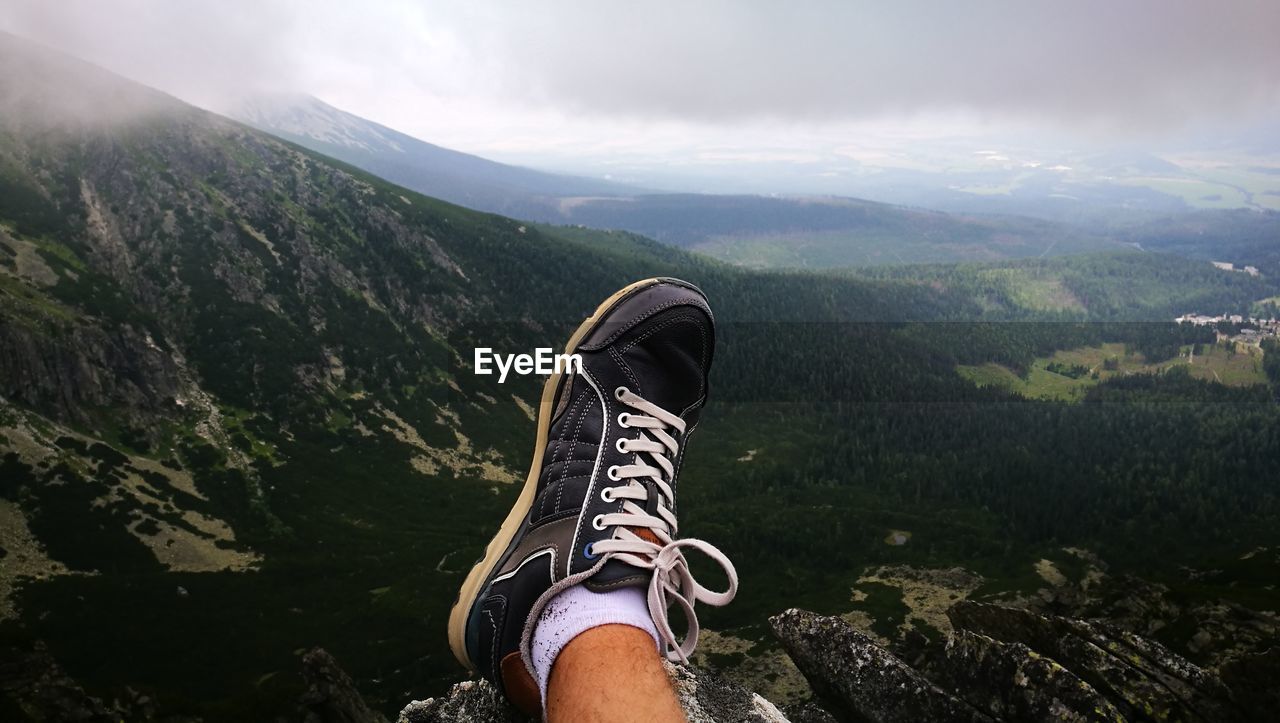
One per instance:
(611, 673)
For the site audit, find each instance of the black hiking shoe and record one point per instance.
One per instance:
(598, 507)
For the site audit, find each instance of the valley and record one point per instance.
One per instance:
(239, 416)
(978, 206)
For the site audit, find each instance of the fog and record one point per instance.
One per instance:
(567, 78)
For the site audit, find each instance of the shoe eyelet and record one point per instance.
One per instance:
(606, 494)
(588, 553)
(612, 473)
(622, 420)
(621, 445)
(620, 392)
(597, 522)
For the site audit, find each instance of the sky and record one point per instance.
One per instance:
(737, 78)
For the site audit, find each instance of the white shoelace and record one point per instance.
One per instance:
(672, 582)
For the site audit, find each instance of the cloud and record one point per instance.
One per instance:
(193, 50)
(1121, 65)
(1137, 61)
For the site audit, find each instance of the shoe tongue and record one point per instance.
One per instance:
(645, 534)
(669, 371)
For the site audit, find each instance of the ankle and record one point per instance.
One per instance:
(611, 672)
(585, 619)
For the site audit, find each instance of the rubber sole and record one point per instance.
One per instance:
(501, 542)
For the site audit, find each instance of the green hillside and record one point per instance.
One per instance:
(828, 232)
(1096, 287)
(1070, 374)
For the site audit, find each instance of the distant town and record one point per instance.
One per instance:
(1228, 266)
(1235, 327)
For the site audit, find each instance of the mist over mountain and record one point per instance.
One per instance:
(748, 230)
(429, 169)
(40, 87)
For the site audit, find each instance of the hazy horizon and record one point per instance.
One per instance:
(738, 97)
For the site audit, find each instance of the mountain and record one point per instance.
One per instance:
(238, 420)
(456, 177)
(1242, 237)
(832, 232)
(757, 231)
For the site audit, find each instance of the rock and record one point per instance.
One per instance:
(471, 701)
(1013, 682)
(1142, 678)
(709, 698)
(869, 682)
(39, 688)
(72, 370)
(1214, 631)
(331, 696)
(1254, 681)
(809, 712)
(705, 697)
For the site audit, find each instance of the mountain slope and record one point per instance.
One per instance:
(457, 177)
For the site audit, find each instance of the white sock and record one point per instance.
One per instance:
(576, 610)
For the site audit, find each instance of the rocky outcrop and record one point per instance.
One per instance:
(470, 700)
(331, 696)
(863, 679)
(1014, 682)
(1004, 663)
(999, 664)
(1142, 678)
(1254, 682)
(705, 697)
(69, 370)
(1215, 631)
(808, 712)
(37, 688)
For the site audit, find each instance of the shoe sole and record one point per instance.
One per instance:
(497, 548)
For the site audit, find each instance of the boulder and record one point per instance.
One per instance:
(331, 696)
(1254, 681)
(471, 701)
(32, 683)
(868, 682)
(39, 687)
(705, 697)
(1145, 680)
(808, 712)
(1013, 682)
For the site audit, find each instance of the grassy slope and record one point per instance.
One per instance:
(1217, 363)
(965, 241)
(1094, 287)
(830, 232)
